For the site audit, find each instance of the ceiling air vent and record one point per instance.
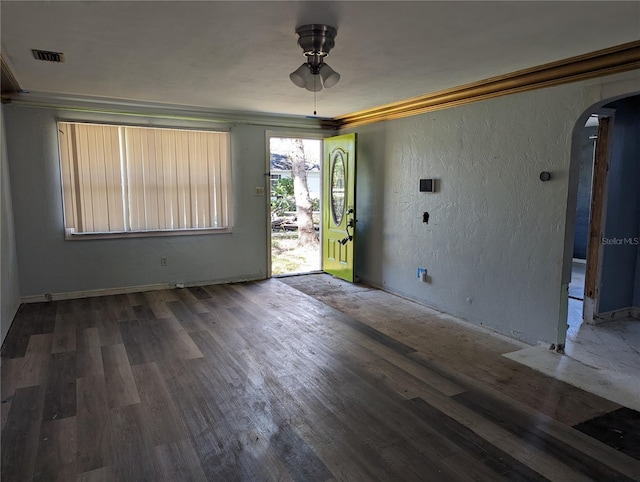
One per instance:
(48, 56)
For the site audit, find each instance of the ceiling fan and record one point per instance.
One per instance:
(316, 41)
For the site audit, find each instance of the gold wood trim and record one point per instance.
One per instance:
(620, 58)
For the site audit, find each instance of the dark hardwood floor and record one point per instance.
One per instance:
(260, 381)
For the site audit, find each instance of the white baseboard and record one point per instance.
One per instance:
(72, 295)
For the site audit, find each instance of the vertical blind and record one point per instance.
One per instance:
(132, 179)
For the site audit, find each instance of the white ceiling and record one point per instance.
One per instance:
(238, 55)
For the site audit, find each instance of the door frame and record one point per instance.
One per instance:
(570, 222)
(267, 179)
(597, 217)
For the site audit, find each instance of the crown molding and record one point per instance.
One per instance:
(9, 82)
(89, 104)
(620, 58)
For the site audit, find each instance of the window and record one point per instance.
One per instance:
(125, 179)
(274, 180)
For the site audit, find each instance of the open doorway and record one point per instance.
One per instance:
(583, 224)
(295, 195)
(604, 293)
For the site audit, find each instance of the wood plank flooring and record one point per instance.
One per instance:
(260, 381)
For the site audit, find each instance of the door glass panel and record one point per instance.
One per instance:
(337, 188)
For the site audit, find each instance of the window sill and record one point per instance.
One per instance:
(71, 235)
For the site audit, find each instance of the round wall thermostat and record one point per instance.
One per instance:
(545, 176)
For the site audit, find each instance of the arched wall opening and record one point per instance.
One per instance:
(601, 265)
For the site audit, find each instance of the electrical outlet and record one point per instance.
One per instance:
(422, 274)
(163, 261)
(259, 191)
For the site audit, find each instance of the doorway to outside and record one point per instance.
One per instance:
(295, 192)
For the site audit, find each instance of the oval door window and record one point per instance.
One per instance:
(337, 188)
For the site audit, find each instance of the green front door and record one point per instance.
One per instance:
(339, 206)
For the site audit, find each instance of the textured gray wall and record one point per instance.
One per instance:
(498, 238)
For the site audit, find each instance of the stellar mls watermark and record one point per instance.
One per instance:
(620, 241)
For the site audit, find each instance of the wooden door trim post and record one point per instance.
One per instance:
(600, 169)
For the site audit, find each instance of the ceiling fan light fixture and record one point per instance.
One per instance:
(300, 75)
(316, 41)
(314, 83)
(329, 76)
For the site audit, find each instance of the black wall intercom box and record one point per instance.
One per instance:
(427, 185)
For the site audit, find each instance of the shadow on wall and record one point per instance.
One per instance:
(369, 205)
(583, 207)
